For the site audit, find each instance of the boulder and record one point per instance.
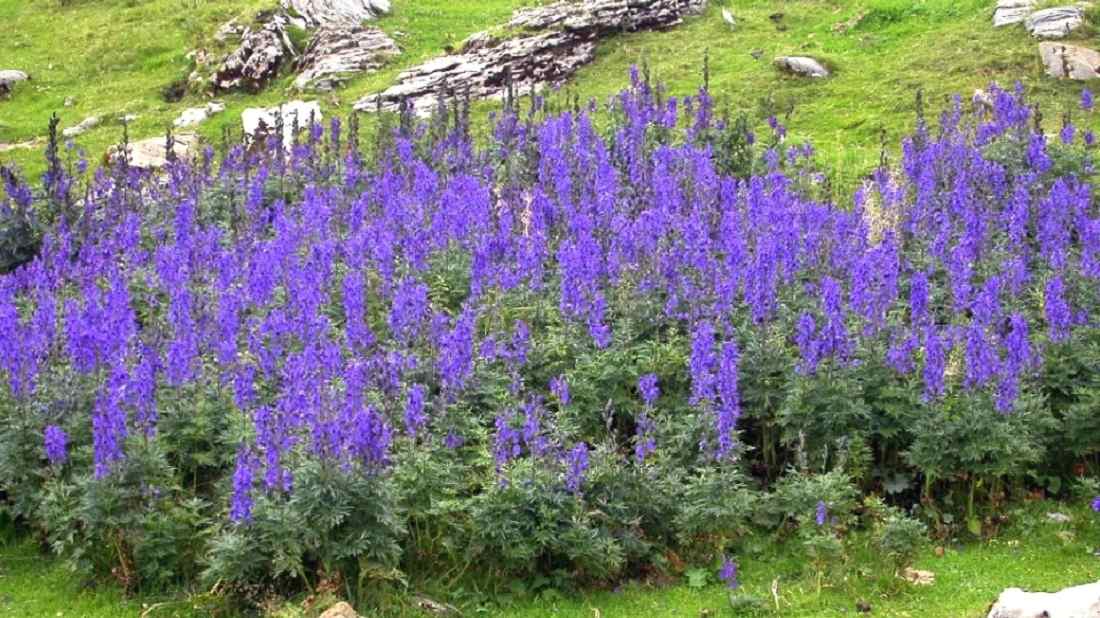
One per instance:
(315, 13)
(260, 122)
(340, 610)
(85, 125)
(9, 78)
(337, 51)
(263, 48)
(1077, 602)
(1010, 12)
(802, 65)
(1070, 61)
(541, 46)
(198, 115)
(152, 153)
(1055, 23)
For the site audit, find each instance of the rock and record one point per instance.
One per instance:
(1077, 602)
(1070, 61)
(314, 13)
(258, 58)
(128, 118)
(340, 610)
(197, 115)
(69, 102)
(9, 78)
(918, 577)
(430, 606)
(545, 46)
(152, 153)
(1059, 518)
(259, 122)
(1056, 23)
(86, 124)
(339, 50)
(1010, 12)
(802, 65)
(228, 30)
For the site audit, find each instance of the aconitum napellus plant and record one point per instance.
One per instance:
(506, 300)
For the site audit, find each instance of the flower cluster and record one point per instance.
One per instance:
(378, 296)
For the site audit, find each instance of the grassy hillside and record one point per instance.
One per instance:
(115, 56)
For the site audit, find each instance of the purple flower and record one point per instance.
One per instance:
(1086, 100)
(822, 513)
(647, 386)
(644, 440)
(1096, 504)
(702, 363)
(244, 474)
(560, 388)
(729, 408)
(728, 573)
(1056, 309)
(57, 444)
(578, 468)
(415, 419)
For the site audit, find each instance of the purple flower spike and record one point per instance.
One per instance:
(728, 573)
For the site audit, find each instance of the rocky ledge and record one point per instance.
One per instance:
(539, 47)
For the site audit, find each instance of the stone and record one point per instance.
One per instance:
(802, 65)
(1077, 602)
(128, 118)
(229, 30)
(85, 125)
(259, 122)
(337, 51)
(314, 13)
(1010, 12)
(918, 577)
(198, 115)
(547, 45)
(152, 153)
(1055, 23)
(259, 56)
(9, 78)
(1059, 518)
(1069, 61)
(69, 102)
(340, 610)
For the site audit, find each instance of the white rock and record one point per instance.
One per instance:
(1059, 518)
(1055, 23)
(336, 52)
(1077, 602)
(320, 12)
(86, 124)
(9, 78)
(802, 65)
(197, 115)
(1010, 12)
(1070, 61)
(152, 153)
(257, 120)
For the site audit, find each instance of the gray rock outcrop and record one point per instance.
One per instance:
(152, 153)
(263, 48)
(802, 65)
(1055, 23)
(1077, 602)
(315, 13)
(83, 127)
(553, 41)
(338, 51)
(1010, 12)
(259, 122)
(1069, 61)
(197, 115)
(9, 78)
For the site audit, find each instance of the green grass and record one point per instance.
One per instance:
(1033, 554)
(115, 56)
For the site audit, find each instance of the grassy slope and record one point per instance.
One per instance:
(114, 56)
